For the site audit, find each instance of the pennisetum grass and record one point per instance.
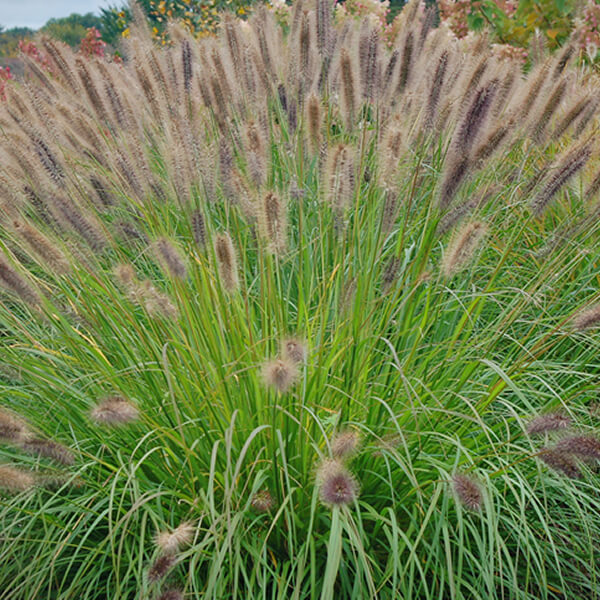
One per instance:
(276, 323)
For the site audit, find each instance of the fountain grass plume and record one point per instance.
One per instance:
(560, 461)
(48, 449)
(552, 421)
(280, 374)
(462, 249)
(226, 262)
(171, 541)
(15, 480)
(160, 568)
(171, 594)
(345, 444)
(114, 410)
(587, 319)
(581, 446)
(12, 428)
(567, 166)
(170, 257)
(468, 491)
(262, 501)
(337, 486)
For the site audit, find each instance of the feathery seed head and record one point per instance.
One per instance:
(406, 63)
(345, 444)
(462, 249)
(436, 89)
(313, 119)
(390, 273)
(199, 228)
(170, 258)
(560, 461)
(255, 143)
(456, 169)
(186, 62)
(273, 222)
(368, 56)
(389, 213)
(348, 88)
(126, 276)
(569, 164)
(12, 281)
(549, 422)
(226, 262)
(563, 60)
(171, 542)
(587, 319)
(41, 246)
(493, 141)
(293, 350)
(171, 595)
(161, 566)
(49, 449)
(295, 192)
(536, 82)
(541, 123)
(280, 374)
(472, 122)
(12, 428)
(468, 491)
(324, 26)
(582, 446)
(114, 410)
(337, 486)
(340, 178)
(459, 211)
(262, 501)
(15, 480)
(155, 302)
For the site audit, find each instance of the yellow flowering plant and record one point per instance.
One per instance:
(198, 17)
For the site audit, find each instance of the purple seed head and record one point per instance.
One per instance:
(161, 566)
(561, 462)
(337, 486)
(468, 491)
(582, 446)
(554, 421)
(262, 501)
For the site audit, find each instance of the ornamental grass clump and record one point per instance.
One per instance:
(275, 294)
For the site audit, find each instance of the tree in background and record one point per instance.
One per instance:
(71, 29)
(198, 16)
(523, 24)
(9, 40)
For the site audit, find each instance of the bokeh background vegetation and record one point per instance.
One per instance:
(523, 25)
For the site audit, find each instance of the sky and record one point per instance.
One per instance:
(34, 13)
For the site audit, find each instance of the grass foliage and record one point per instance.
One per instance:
(288, 299)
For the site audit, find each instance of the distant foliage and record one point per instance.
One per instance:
(535, 25)
(197, 16)
(71, 29)
(10, 38)
(92, 44)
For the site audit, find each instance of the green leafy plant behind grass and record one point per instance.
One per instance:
(295, 315)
